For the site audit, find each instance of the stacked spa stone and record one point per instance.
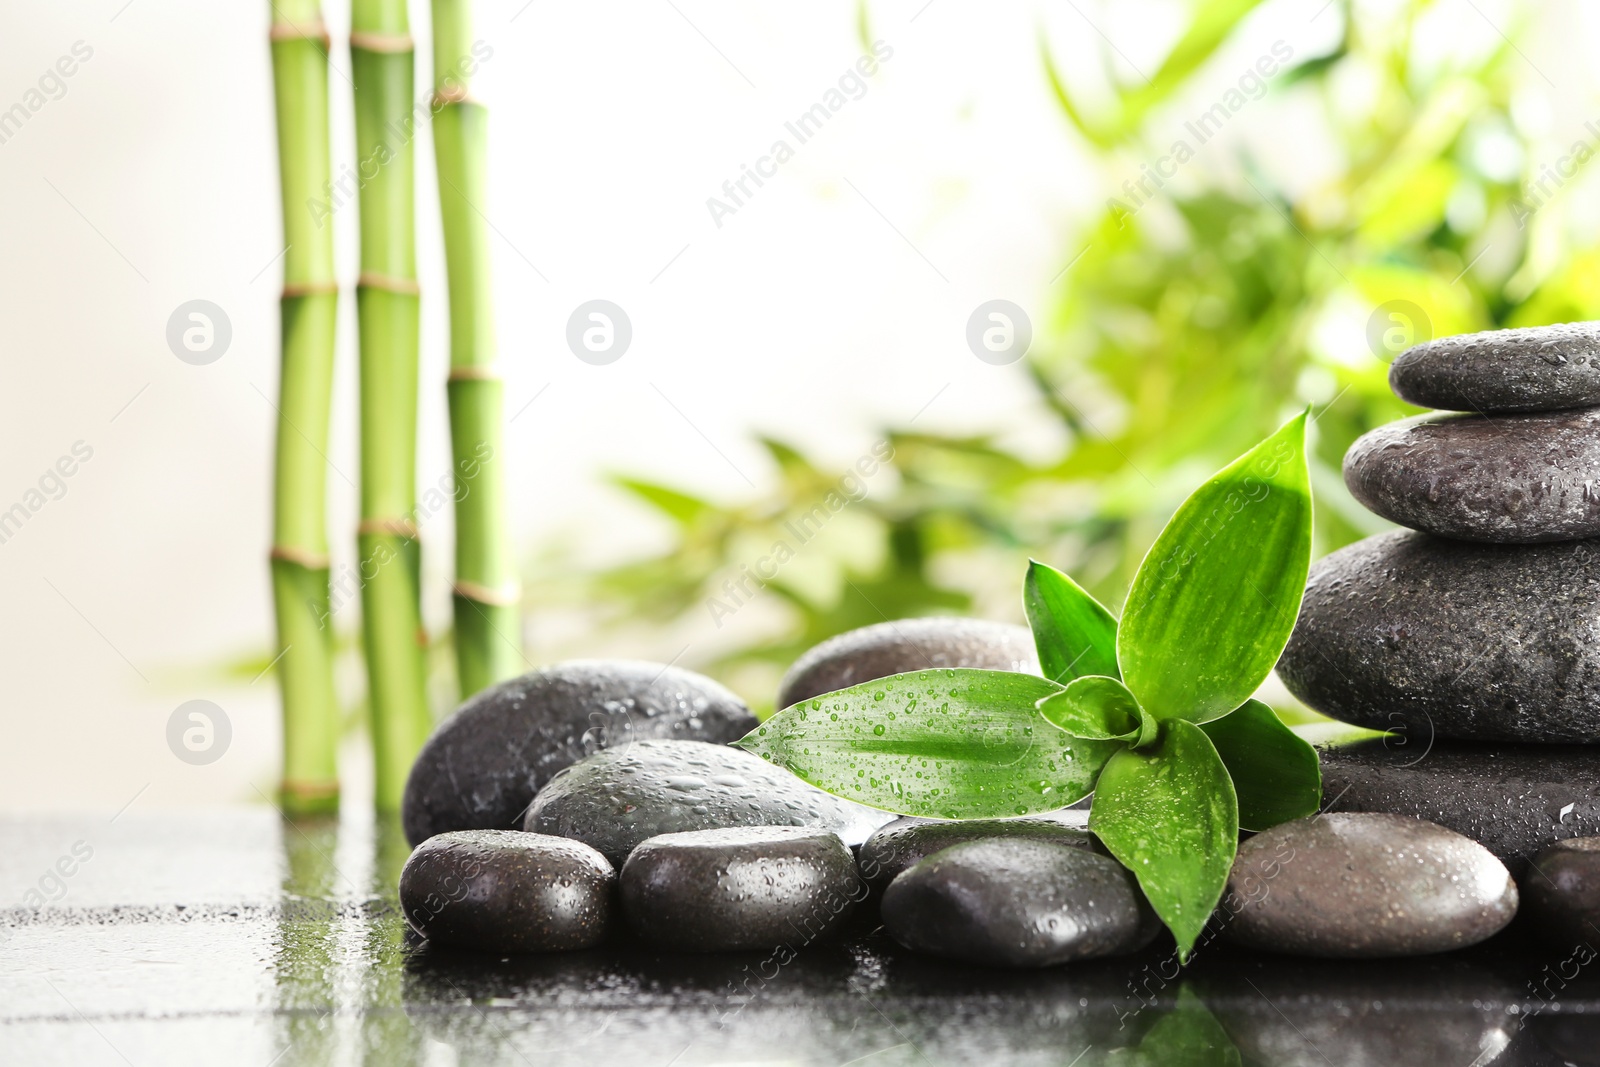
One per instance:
(1474, 636)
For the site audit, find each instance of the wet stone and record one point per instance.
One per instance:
(1561, 891)
(907, 645)
(483, 764)
(900, 844)
(1509, 479)
(617, 798)
(738, 888)
(1366, 886)
(507, 891)
(1018, 902)
(1451, 639)
(1540, 368)
(1512, 799)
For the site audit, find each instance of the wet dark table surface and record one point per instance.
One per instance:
(235, 937)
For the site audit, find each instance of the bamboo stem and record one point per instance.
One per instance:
(387, 301)
(487, 620)
(309, 310)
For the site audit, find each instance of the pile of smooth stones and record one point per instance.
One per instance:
(597, 800)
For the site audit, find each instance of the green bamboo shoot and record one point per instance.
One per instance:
(387, 298)
(487, 625)
(309, 309)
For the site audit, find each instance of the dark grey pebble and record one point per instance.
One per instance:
(507, 891)
(741, 887)
(484, 763)
(1453, 639)
(907, 645)
(1537, 368)
(1366, 886)
(1511, 479)
(1561, 892)
(1017, 902)
(907, 841)
(1512, 799)
(617, 798)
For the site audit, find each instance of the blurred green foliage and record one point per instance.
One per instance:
(1188, 325)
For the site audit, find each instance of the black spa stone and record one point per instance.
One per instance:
(1561, 892)
(887, 648)
(1018, 902)
(1513, 479)
(1451, 639)
(1537, 368)
(1512, 799)
(898, 845)
(483, 764)
(615, 799)
(507, 891)
(1366, 886)
(739, 888)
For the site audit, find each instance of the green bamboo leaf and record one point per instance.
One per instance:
(1275, 772)
(953, 744)
(1216, 597)
(1075, 634)
(678, 506)
(1212, 24)
(1214, 21)
(1099, 136)
(1170, 816)
(1095, 707)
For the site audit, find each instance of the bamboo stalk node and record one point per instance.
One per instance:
(452, 94)
(388, 43)
(294, 289)
(398, 527)
(485, 372)
(311, 561)
(307, 31)
(507, 595)
(388, 283)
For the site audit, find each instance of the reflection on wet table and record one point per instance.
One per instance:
(235, 936)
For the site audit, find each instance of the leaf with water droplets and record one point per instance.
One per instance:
(1075, 634)
(954, 743)
(1170, 816)
(1275, 772)
(1215, 599)
(1095, 707)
